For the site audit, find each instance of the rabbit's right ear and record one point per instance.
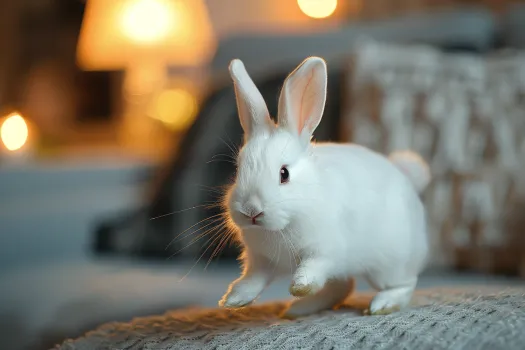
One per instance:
(303, 97)
(253, 113)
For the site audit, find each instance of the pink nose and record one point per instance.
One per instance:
(254, 218)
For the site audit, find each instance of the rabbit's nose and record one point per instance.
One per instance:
(253, 217)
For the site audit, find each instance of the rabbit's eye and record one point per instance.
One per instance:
(285, 175)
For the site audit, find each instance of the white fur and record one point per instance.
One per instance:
(347, 211)
(414, 167)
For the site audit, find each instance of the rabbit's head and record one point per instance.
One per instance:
(276, 178)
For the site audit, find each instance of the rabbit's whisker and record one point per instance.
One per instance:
(213, 239)
(228, 235)
(213, 218)
(177, 212)
(196, 239)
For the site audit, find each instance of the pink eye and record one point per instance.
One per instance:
(285, 175)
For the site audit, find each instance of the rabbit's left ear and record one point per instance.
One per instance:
(303, 98)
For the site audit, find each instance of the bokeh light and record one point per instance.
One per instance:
(14, 132)
(176, 108)
(317, 8)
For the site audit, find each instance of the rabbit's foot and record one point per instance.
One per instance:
(243, 291)
(391, 300)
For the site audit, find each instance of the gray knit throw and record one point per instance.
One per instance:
(473, 318)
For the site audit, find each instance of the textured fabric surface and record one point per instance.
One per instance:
(473, 318)
(464, 114)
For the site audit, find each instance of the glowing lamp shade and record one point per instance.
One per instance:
(116, 34)
(317, 8)
(14, 132)
(147, 22)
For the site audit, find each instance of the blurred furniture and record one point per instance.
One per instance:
(464, 114)
(47, 213)
(48, 208)
(460, 318)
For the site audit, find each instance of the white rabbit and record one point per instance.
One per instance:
(325, 212)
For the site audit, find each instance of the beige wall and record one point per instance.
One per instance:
(231, 17)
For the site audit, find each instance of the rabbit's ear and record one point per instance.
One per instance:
(252, 109)
(303, 97)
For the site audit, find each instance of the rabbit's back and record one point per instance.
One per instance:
(351, 165)
(376, 201)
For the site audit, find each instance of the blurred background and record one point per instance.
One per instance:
(118, 125)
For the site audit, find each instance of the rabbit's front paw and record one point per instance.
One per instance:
(234, 300)
(242, 292)
(304, 284)
(299, 289)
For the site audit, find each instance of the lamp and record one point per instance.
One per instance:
(142, 37)
(117, 34)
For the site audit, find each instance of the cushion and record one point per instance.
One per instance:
(464, 114)
(469, 318)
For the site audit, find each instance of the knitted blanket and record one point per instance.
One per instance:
(471, 318)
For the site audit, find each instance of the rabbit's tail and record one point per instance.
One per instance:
(414, 167)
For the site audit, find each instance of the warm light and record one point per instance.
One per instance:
(117, 34)
(14, 132)
(176, 108)
(317, 8)
(147, 21)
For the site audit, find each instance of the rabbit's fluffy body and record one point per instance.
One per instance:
(345, 210)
